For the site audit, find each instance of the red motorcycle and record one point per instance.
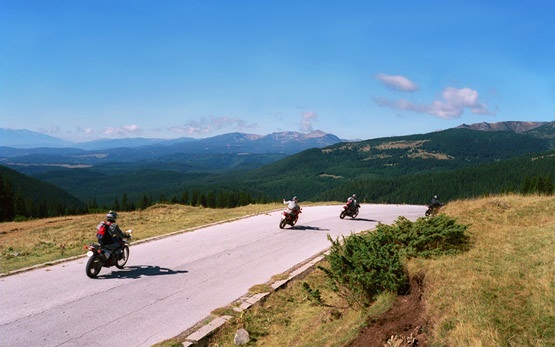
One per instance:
(289, 218)
(349, 212)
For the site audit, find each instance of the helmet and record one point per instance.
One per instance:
(354, 196)
(435, 196)
(111, 216)
(294, 198)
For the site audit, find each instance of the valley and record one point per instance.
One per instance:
(455, 163)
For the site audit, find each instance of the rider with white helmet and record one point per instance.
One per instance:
(292, 206)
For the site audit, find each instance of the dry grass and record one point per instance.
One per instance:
(502, 292)
(428, 155)
(401, 144)
(28, 243)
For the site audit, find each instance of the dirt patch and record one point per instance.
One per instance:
(401, 144)
(402, 326)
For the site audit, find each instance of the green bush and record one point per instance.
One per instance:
(362, 266)
(427, 236)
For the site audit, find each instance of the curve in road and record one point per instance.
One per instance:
(169, 284)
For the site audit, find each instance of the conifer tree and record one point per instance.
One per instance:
(6, 200)
(124, 203)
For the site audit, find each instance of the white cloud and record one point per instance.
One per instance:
(122, 131)
(205, 126)
(453, 104)
(307, 118)
(53, 130)
(397, 82)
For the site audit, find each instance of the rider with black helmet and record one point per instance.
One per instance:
(114, 231)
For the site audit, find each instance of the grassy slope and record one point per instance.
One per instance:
(502, 292)
(38, 241)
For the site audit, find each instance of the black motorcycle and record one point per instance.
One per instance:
(432, 211)
(100, 257)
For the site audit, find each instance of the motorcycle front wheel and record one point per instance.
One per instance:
(122, 258)
(93, 266)
(343, 214)
(282, 224)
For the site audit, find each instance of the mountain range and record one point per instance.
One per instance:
(516, 127)
(287, 141)
(315, 166)
(213, 154)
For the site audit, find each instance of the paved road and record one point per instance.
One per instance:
(171, 284)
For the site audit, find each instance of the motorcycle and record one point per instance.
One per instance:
(432, 211)
(348, 212)
(288, 218)
(100, 257)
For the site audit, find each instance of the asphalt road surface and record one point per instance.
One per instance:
(170, 284)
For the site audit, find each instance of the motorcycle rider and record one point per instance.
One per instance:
(292, 207)
(352, 202)
(115, 232)
(434, 203)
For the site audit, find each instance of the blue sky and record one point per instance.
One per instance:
(87, 69)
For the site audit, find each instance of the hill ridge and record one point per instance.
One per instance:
(513, 126)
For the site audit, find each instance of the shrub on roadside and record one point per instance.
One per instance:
(362, 266)
(427, 237)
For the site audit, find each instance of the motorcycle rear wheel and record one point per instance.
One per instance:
(120, 262)
(94, 264)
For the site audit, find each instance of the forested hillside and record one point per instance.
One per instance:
(24, 196)
(530, 174)
(405, 169)
(445, 150)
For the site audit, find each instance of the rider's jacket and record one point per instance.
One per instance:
(116, 231)
(352, 203)
(292, 206)
(434, 203)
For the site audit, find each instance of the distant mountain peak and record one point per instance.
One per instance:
(316, 133)
(512, 126)
(237, 136)
(22, 138)
(295, 135)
